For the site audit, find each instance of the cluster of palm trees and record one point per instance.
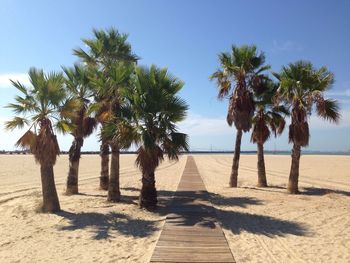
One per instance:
(131, 104)
(140, 106)
(257, 102)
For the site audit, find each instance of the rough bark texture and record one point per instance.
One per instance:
(262, 182)
(50, 197)
(294, 170)
(148, 195)
(235, 164)
(74, 157)
(113, 187)
(104, 153)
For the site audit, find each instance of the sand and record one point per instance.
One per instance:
(268, 225)
(89, 229)
(261, 225)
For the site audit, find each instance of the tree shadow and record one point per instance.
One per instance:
(91, 195)
(200, 208)
(188, 208)
(132, 189)
(242, 202)
(103, 224)
(322, 191)
(270, 188)
(126, 199)
(186, 197)
(260, 224)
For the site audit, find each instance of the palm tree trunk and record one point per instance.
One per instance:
(262, 182)
(235, 164)
(148, 195)
(50, 198)
(113, 187)
(294, 170)
(74, 157)
(104, 153)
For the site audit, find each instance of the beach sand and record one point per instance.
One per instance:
(261, 225)
(89, 229)
(269, 225)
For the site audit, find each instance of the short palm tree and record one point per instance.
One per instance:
(77, 83)
(268, 118)
(104, 50)
(302, 86)
(42, 107)
(156, 108)
(242, 68)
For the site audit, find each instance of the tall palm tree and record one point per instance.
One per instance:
(104, 50)
(109, 111)
(42, 108)
(156, 108)
(268, 118)
(242, 69)
(77, 83)
(302, 86)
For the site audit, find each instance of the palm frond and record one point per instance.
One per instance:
(64, 126)
(27, 141)
(16, 122)
(328, 109)
(89, 124)
(84, 56)
(20, 87)
(178, 142)
(69, 108)
(223, 83)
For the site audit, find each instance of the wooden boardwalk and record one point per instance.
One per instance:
(191, 233)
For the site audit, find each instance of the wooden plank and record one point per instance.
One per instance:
(187, 250)
(193, 233)
(193, 239)
(197, 253)
(192, 228)
(193, 257)
(171, 244)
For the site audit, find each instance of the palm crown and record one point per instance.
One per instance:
(242, 67)
(105, 49)
(108, 91)
(156, 109)
(268, 116)
(302, 86)
(79, 87)
(42, 107)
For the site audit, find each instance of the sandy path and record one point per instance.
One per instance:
(268, 225)
(89, 229)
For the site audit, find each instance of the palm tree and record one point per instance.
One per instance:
(42, 107)
(109, 112)
(241, 68)
(268, 117)
(156, 108)
(77, 83)
(302, 86)
(104, 50)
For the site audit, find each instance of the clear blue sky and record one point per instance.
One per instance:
(186, 37)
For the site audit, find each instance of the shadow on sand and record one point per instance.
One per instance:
(103, 224)
(185, 208)
(312, 191)
(193, 209)
(323, 191)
